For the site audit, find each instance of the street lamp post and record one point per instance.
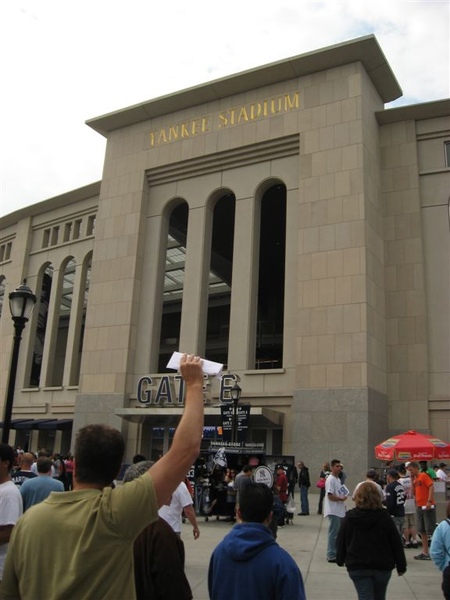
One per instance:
(21, 304)
(235, 393)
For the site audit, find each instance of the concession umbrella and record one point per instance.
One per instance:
(412, 445)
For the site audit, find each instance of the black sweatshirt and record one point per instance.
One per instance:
(368, 539)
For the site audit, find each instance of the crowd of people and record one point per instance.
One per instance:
(393, 510)
(100, 532)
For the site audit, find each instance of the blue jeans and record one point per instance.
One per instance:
(304, 498)
(370, 584)
(333, 530)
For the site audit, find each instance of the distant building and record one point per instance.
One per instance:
(280, 221)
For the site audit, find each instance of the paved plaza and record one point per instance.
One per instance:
(306, 541)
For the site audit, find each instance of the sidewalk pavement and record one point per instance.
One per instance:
(306, 541)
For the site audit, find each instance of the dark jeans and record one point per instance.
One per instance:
(446, 583)
(304, 499)
(370, 584)
(321, 498)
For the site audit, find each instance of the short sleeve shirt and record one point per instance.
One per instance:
(331, 507)
(421, 484)
(90, 533)
(171, 513)
(10, 511)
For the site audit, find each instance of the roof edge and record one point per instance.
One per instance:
(82, 193)
(415, 112)
(364, 49)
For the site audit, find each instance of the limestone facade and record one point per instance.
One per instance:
(366, 326)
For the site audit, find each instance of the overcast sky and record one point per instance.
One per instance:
(64, 62)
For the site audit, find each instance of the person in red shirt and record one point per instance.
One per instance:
(282, 484)
(423, 487)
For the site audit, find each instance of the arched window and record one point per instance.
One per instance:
(219, 282)
(43, 295)
(272, 254)
(56, 366)
(81, 323)
(173, 284)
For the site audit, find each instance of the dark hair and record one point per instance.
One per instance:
(43, 452)
(335, 461)
(43, 464)
(393, 473)
(138, 458)
(98, 453)
(7, 453)
(247, 469)
(255, 502)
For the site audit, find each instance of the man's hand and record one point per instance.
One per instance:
(190, 515)
(191, 369)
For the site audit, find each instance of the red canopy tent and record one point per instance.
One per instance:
(412, 445)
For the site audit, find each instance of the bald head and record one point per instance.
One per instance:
(26, 460)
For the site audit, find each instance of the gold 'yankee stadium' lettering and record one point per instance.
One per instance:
(257, 110)
(226, 118)
(180, 131)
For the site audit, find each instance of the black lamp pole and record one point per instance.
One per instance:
(235, 393)
(21, 304)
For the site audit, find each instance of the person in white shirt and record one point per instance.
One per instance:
(10, 501)
(334, 507)
(371, 476)
(172, 513)
(440, 473)
(409, 526)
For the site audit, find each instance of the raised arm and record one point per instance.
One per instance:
(171, 469)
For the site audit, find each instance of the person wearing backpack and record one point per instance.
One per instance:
(440, 551)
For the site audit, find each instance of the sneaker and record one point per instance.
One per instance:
(422, 556)
(414, 545)
(408, 545)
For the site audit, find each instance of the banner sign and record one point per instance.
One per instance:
(247, 447)
(242, 421)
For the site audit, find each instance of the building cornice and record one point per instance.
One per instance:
(364, 49)
(415, 112)
(82, 193)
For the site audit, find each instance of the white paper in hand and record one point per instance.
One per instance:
(209, 367)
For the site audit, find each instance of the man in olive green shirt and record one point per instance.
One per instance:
(89, 532)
